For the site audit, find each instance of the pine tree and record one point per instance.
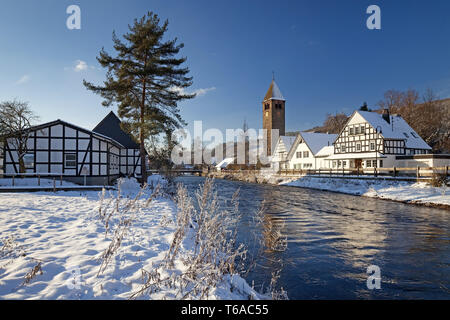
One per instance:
(146, 80)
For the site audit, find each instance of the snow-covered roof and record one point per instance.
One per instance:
(224, 163)
(274, 93)
(317, 141)
(314, 141)
(288, 141)
(397, 129)
(325, 151)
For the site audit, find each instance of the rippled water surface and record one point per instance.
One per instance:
(333, 238)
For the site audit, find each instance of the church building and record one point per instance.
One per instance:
(273, 115)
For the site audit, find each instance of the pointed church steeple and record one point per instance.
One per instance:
(274, 92)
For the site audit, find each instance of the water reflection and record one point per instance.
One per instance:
(332, 239)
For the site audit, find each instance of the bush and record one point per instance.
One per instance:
(439, 179)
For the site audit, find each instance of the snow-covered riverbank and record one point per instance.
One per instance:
(419, 193)
(51, 245)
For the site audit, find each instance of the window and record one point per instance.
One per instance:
(372, 146)
(351, 131)
(357, 130)
(344, 164)
(334, 164)
(343, 148)
(405, 134)
(358, 147)
(414, 135)
(369, 164)
(299, 154)
(28, 161)
(266, 106)
(363, 129)
(381, 163)
(70, 160)
(305, 154)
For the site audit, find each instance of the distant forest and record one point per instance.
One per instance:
(427, 115)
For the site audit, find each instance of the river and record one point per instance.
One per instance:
(333, 238)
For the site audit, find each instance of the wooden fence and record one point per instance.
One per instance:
(395, 172)
(53, 176)
(417, 172)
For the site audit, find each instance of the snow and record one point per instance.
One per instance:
(63, 232)
(316, 141)
(224, 163)
(395, 130)
(275, 93)
(404, 191)
(325, 151)
(156, 179)
(287, 141)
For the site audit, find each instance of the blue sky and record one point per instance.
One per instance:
(325, 59)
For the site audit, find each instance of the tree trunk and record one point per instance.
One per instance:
(21, 154)
(141, 138)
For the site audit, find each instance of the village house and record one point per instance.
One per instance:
(279, 159)
(60, 148)
(370, 140)
(304, 153)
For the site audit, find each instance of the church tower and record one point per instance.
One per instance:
(273, 114)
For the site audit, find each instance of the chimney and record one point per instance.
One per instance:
(386, 115)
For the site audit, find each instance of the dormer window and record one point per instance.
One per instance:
(414, 135)
(405, 134)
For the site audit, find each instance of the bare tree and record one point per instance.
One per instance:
(15, 121)
(427, 115)
(392, 100)
(335, 123)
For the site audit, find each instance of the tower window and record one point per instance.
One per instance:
(266, 106)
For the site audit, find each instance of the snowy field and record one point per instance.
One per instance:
(51, 246)
(420, 192)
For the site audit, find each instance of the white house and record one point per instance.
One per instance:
(279, 159)
(305, 150)
(58, 147)
(370, 139)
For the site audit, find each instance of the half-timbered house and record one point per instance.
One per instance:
(79, 155)
(370, 139)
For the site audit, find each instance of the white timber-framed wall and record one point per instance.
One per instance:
(60, 148)
(371, 140)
